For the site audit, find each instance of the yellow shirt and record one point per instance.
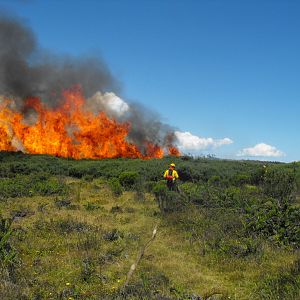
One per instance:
(174, 174)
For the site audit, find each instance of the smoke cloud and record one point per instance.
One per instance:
(146, 125)
(26, 71)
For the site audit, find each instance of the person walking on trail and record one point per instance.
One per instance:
(171, 176)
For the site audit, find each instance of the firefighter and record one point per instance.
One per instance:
(171, 175)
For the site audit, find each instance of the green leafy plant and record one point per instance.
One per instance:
(128, 179)
(115, 186)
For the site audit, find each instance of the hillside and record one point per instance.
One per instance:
(72, 229)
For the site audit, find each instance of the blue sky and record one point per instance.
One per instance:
(215, 69)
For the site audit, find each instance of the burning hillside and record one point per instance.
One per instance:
(70, 130)
(52, 105)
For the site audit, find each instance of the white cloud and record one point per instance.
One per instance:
(188, 141)
(261, 149)
(109, 102)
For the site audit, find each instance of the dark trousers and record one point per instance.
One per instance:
(171, 185)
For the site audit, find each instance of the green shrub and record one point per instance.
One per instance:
(279, 183)
(280, 223)
(241, 179)
(51, 186)
(169, 201)
(186, 173)
(215, 180)
(160, 188)
(238, 247)
(231, 197)
(88, 178)
(193, 192)
(115, 186)
(128, 179)
(36, 184)
(14, 187)
(149, 186)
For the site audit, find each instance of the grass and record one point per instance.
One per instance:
(81, 246)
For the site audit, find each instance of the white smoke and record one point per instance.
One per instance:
(188, 141)
(113, 105)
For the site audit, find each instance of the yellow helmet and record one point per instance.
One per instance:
(172, 165)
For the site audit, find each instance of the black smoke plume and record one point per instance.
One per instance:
(146, 126)
(26, 71)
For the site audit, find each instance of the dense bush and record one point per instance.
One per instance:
(239, 247)
(194, 192)
(241, 179)
(262, 196)
(115, 186)
(35, 184)
(128, 179)
(242, 211)
(229, 211)
(280, 224)
(191, 169)
(279, 183)
(168, 201)
(160, 188)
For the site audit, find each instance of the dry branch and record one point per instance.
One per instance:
(140, 255)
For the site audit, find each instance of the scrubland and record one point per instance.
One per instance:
(71, 229)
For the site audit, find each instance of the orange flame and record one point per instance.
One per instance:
(70, 131)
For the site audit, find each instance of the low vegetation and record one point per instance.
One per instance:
(72, 229)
